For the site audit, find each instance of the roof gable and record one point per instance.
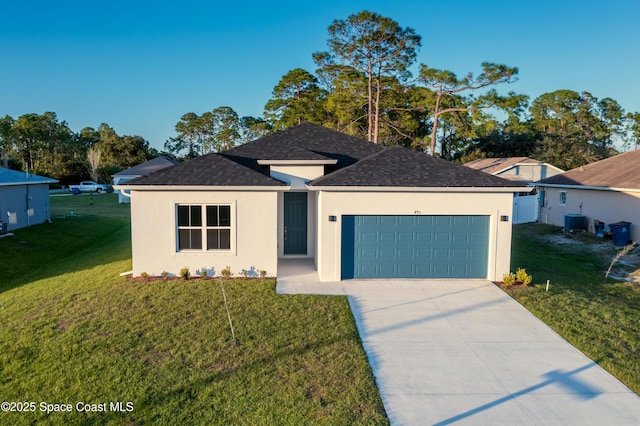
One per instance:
(398, 166)
(619, 171)
(495, 165)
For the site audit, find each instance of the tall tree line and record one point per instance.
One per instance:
(363, 85)
(44, 145)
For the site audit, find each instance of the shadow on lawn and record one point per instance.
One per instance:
(287, 358)
(65, 245)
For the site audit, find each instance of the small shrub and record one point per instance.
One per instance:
(263, 273)
(523, 277)
(226, 272)
(144, 275)
(203, 272)
(184, 273)
(164, 275)
(509, 279)
(244, 273)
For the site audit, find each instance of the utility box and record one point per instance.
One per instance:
(3, 228)
(574, 222)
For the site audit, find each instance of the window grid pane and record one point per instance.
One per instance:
(191, 228)
(225, 216)
(183, 215)
(190, 239)
(196, 216)
(225, 239)
(212, 216)
(213, 239)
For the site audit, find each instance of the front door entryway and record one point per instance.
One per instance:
(295, 223)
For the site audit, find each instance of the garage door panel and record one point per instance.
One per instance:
(405, 253)
(368, 236)
(388, 236)
(415, 246)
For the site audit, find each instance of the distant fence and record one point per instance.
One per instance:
(525, 209)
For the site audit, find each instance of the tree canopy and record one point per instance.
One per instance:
(46, 146)
(362, 86)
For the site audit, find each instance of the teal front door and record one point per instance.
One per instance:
(295, 223)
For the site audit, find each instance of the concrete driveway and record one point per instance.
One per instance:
(463, 352)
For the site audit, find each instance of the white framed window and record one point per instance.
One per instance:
(203, 227)
(563, 198)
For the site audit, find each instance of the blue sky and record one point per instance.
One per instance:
(139, 65)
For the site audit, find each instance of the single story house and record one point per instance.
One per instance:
(143, 169)
(24, 199)
(519, 169)
(358, 209)
(604, 191)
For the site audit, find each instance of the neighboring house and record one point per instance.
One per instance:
(358, 209)
(605, 191)
(24, 199)
(519, 169)
(143, 169)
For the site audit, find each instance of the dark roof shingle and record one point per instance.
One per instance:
(207, 170)
(148, 167)
(401, 167)
(305, 142)
(359, 163)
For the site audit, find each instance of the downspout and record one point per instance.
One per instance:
(497, 248)
(122, 191)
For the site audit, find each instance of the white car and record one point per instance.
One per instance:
(88, 186)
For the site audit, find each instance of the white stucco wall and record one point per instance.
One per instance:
(154, 232)
(338, 203)
(24, 205)
(605, 206)
(308, 172)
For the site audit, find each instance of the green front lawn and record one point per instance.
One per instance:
(74, 331)
(600, 318)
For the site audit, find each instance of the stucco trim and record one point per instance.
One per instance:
(593, 188)
(183, 188)
(296, 162)
(483, 189)
(41, 182)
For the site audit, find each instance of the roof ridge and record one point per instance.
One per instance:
(350, 166)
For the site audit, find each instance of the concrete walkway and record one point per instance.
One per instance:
(463, 352)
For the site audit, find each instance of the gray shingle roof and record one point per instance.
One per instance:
(619, 171)
(14, 177)
(401, 167)
(359, 163)
(208, 170)
(305, 142)
(148, 167)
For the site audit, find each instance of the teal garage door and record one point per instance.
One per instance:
(415, 246)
